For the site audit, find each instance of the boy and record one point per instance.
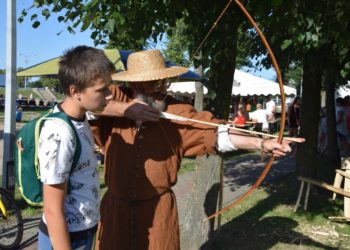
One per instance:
(70, 219)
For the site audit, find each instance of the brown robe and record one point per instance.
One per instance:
(139, 209)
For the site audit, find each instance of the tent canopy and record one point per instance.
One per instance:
(50, 67)
(184, 88)
(246, 84)
(117, 57)
(343, 91)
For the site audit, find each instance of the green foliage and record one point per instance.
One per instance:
(177, 45)
(293, 75)
(51, 83)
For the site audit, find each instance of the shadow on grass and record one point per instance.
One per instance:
(261, 227)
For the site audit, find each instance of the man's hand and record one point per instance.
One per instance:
(140, 111)
(278, 150)
(135, 110)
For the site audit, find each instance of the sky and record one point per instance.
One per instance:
(43, 43)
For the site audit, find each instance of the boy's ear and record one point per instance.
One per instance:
(74, 92)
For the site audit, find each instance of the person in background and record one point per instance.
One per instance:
(270, 106)
(342, 132)
(294, 117)
(239, 119)
(322, 136)
(260, 116)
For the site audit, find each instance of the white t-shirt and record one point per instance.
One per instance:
(270, 107)
(260, 115)
(56, 153)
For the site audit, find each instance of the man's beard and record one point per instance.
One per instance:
(157, 104)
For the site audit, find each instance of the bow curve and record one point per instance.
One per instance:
(283, 115)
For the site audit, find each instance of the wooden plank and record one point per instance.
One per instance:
(343, 173)
(337, 182)
(325, 186)
(299, 196)
(337, 218)
(347, 199)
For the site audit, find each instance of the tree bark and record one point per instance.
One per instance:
(310, 114)
(332, 145)
(198, 101)
(194, 233)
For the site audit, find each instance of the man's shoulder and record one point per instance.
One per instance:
(176, 106)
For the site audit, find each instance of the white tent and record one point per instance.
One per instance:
(343, 91)
(244, 84)
(184, 88)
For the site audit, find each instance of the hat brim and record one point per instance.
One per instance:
(126, 76)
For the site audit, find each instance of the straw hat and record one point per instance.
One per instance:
(148, 65)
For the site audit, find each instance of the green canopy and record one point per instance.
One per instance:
(50, 67)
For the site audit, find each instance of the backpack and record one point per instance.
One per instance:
(27, 169)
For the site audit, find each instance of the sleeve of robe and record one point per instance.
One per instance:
(197, 139)
(102, 127)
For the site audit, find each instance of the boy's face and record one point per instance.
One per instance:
(95, 97)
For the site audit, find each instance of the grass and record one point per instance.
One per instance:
(266, 220)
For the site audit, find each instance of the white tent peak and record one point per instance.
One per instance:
(243, 84)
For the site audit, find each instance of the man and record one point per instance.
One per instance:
(261, 116)
(270, 106)
(142, 159)
(342, 131)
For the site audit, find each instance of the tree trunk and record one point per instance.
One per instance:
(194, 233)
(198, 101)
(332, 145)
(310, 114)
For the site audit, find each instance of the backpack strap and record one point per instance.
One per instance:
(77, 152)
(63, 116)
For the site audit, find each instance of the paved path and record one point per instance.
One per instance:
(239, 175)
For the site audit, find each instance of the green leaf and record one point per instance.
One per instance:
(46, 13)
(60, 18)
(70, 29)
(110, 25)
(24, 13)
(20, 19)
(36, 24)
(286, 44)
(347, 65)
(33, 17)
(344, 51)
(314, 37)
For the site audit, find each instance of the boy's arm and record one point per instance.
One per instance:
(54, 196)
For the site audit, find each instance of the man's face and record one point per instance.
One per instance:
(153, 93)
(95, 97)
